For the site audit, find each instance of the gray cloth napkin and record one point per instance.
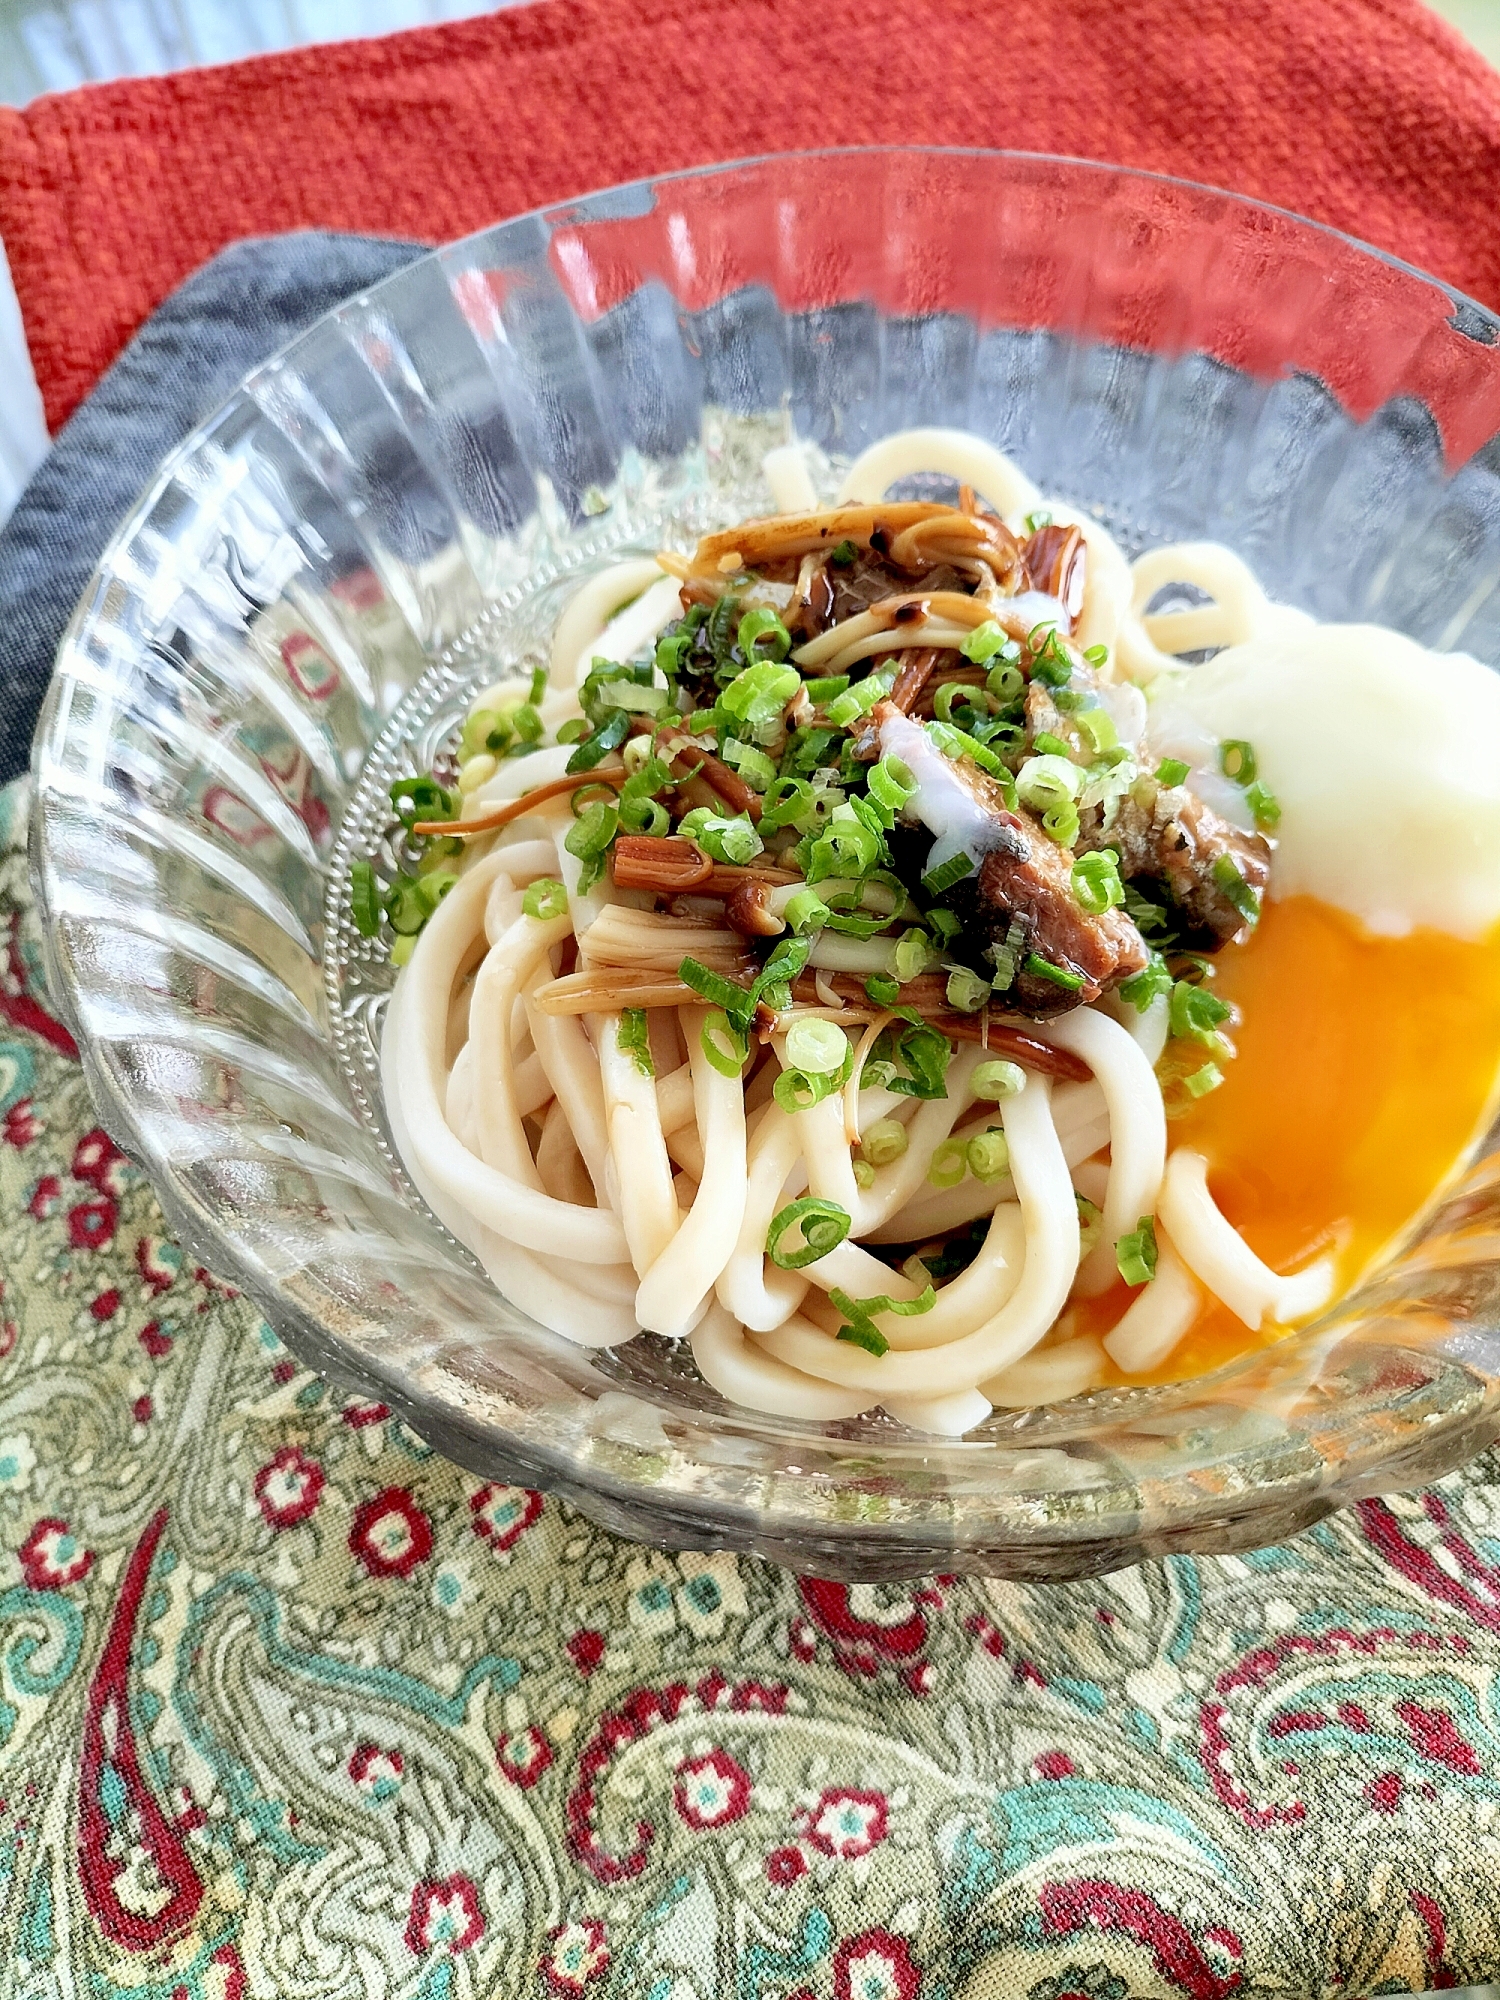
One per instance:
(187, 358)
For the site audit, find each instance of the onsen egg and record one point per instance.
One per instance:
(1384, 757)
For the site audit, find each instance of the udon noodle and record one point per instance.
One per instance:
(934, 1123)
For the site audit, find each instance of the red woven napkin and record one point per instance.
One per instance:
(1369, 114)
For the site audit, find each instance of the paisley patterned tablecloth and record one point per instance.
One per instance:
(291, 1707)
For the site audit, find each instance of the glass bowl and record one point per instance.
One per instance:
(390, 513)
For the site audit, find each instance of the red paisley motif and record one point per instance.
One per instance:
(109, 1742)
(1069, 1907)
(643, 1710)
(1474, 1591)
(17, 1004)
(861, 1644)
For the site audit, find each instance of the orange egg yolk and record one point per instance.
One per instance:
(1366, 1068)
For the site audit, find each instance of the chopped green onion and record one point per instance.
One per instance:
(573, 730)
(545, 899)
(954, 742)
(786, 803)
(848, 846)
(590, 795)
(478, 731)
(884, 991)
(364, 899)
(844, 555)
(1096, 655)
(1237, 761)
(1090, 1224)
(753, 765)
(820, 693)
(1050, 745)
(1202, 1081)
(891, 783)
(926, 1052)
(943, 925)
(913, 955)
(724, 1045)
(733, 840)
(1060, 823)
(589, 839)
(1171, 771)
(988, 1156)
(998, 1079)
(985, 641)
(1235, 889)
(1135, 1254)
(884, 1142)
(1042, 968)
(1045, 782)
(967, 992)
(1197, 1014)
(817, 1047)
(949, 1164)
(758, 695)
(528, 724)
(942, 878)
(1040, 518)
(404, 909)
(863, 1172)
(1096, 884)
(738, 1002)
(870, 1338)
(1265, 805)
(609, 735)
(862, 697)
(1050, 663)
(799, 1089)
(672, 650)
(1098, 725)
(1005, 680)
(633, 1038)
(762, 636)
(422, 799)
(806, 911)
(402, 949)
(822, 1225)
(1147, 985)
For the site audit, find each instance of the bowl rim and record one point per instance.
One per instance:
(685, 1523)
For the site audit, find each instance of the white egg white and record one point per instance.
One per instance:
(1385, 759)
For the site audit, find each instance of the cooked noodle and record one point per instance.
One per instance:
(609, 1185)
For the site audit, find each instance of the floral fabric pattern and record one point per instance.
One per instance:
(291, 1709)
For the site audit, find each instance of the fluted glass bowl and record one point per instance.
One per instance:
(391, 512)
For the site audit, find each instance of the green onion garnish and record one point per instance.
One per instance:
(806, 911)
(753, 765)
(731, 839)
(545, 899)
(823, 1225)
(998, 1079)
(762, 636)
(1135, 1254)
(1197, 1014)
(884, 1142)
(988, 1156)
(633, 1038)
(912, 955)
(1050, 663)
(861, 1329)
(1171, 771)
(1048, 781)
(1096, 655)
(816, 1047)
(609, 735)
(1039, 519)
(1049, 745)
(528, 724)
(1090, 1224)
(1265, 805)
(844, 555)
(725, 1045)
(967, 992)
(1236, 889)
(364, 899)
(1202, 1081)
(942, 878)
(1096, 884)
(737, 1002)
(870, 1338)
(884, 991)
(422, 799)
(1237, 761)
(948, 1165)
(1098, 725)
(891, 783)
(1042, 968)
(1148, 984)
(862, 697)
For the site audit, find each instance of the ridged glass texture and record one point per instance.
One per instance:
(392, 511)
